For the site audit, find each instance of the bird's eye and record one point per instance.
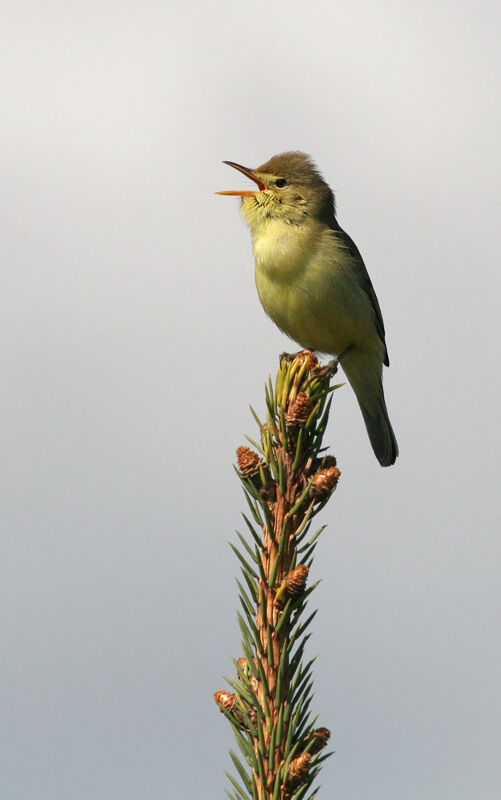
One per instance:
(280, 183)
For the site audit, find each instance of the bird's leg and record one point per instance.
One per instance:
(332, 366)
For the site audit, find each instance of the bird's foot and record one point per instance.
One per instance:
(331, 366)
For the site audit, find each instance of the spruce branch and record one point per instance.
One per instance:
(287, 479)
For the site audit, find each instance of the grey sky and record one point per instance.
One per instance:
(133, 341)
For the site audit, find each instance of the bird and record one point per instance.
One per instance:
(312, 281)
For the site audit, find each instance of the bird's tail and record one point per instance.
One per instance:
(368, 387)
(381, 434)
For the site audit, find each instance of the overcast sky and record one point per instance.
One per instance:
(132, 342)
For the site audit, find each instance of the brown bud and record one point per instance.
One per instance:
(225, 700)
(299, 410)
(248, 461)
(320, 738)
(325, 480)
(302, 356)
(242, 663)
(296, 579)
(299, 768)
(307, 355)
(292, 585)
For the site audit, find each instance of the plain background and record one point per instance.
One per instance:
(132, 341)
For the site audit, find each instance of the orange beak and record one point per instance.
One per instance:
(249, 173)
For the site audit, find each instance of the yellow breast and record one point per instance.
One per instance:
(306, 286)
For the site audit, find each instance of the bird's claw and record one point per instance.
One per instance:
(331, 367)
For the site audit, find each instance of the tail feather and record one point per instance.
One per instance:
(381, 434)
(365, 377)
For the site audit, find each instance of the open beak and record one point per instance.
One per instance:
(249, 173)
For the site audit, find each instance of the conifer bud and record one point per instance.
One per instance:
(225, 700)
(325, 481)
(248, 462)
(320, 737)
(296, 579)
(307, 355)
(299, 410)
(299, 768)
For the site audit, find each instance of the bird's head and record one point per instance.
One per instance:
(290, 189)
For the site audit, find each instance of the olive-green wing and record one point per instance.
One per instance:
(365, 282)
